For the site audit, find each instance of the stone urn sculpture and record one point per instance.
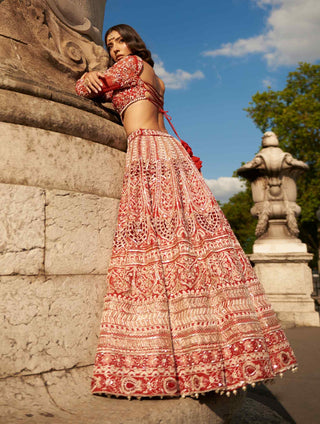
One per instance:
(280, 258)
(273, 175)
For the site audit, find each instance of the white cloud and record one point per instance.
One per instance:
(175, 80)
(291, 34)
(225, 187)
(268, 82)
(264, 3)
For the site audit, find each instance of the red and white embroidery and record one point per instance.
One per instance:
(122, 83)
(184, 312)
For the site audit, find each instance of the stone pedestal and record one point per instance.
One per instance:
(281, 264)
(59, 201)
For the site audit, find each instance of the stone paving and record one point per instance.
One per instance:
(63, 398)
(296, 397)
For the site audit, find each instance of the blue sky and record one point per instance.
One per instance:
(213, 56)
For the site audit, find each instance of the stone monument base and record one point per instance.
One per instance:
(287, 280)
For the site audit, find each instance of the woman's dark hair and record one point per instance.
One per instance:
(133, 41)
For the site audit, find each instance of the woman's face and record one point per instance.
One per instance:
(116, 46)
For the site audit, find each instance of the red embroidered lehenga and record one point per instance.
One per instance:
(184, 312)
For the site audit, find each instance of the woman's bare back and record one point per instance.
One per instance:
(144, 114)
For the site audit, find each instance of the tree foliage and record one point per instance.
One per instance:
(294, 115)
(237, 211)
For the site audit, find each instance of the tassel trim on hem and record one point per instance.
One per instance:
(196, 395)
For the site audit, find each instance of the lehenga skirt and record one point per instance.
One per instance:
(184, 312)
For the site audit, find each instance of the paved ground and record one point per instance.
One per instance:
(63, 398)
(296, 397)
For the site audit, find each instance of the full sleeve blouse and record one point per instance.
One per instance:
(123, 74)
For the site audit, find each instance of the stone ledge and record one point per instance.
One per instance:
(14, 80)
(32, 111)
(282, 257)
(64, 397)
(50, 160)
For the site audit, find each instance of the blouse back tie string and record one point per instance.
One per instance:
(157, 100)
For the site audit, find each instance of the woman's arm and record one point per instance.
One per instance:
(122, 74)
(90, 85)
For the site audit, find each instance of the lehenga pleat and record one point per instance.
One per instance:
(184, 311)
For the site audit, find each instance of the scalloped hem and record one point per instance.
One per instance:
(195, 395)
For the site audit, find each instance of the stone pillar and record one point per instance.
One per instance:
(280, 258)
(61, 169)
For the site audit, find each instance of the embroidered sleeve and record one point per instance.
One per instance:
(122, 74)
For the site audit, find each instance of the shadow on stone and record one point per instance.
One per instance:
(223, 406)
(263, 395)
(262, 407)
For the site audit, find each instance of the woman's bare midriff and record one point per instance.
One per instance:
(142, 114)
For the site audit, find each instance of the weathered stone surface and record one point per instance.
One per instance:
(36, 157)
(253, 412)
(21, 229)
(69, 401)
(52, 41)
(79, 232)
(49, 322)
(26, 400)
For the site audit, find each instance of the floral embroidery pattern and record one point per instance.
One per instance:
(122, 83)
(184, 311)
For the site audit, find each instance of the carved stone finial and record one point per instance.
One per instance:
(270, 139)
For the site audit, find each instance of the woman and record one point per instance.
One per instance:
(184, 312)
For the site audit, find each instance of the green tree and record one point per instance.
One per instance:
(237, 211)
(294, 115)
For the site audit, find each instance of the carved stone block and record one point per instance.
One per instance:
(21, 229)
(49, 322)
(79, 232)
(51, 41)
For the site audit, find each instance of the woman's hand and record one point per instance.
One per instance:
(92, 81)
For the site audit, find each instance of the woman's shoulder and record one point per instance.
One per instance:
(126, 71)
(132, 61)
